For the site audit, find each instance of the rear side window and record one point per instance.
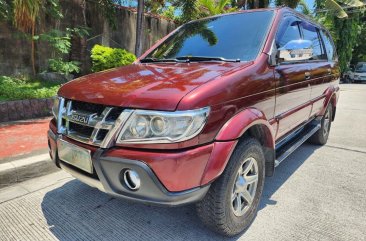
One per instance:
(311, 33)
(329, 46)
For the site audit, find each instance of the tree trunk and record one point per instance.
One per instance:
(106, 33)
(139, 27)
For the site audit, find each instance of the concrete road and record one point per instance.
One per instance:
(318, 193)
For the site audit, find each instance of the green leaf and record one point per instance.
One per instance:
(352, 3)
(336, 8)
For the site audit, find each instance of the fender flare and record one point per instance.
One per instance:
(235, 127)
(331, 94)
(228, 137)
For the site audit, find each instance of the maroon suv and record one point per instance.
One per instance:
(203, 116)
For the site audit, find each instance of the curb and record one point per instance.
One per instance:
(23, 169)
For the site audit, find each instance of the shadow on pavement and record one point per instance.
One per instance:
(76, 211)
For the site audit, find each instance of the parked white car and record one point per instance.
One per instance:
(356, 75)
(360, 72)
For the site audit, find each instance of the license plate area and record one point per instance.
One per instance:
(75, 155)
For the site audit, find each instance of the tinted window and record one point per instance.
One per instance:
(288, 31)
(329, 46)
(311, 33)
(235, 36)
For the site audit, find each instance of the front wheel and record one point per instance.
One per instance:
(231, 204)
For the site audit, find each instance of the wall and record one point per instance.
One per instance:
(15, 48)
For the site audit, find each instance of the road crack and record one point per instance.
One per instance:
(346, 149)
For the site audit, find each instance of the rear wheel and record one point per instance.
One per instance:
(321, 136)
(231, 203)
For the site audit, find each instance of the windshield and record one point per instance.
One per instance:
(228, 37)
(361, 67)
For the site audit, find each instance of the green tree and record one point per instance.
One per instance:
(26, 13)
(213, 7)
(345, 28)
(194, 9)
(154, 6)
(5, 9)
(359, 51)
(250, 4)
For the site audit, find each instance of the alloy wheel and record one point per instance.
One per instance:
(245, 187)
(326, 123)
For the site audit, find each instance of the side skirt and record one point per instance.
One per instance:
(295, 140)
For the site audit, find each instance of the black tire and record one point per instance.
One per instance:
(321, 136)
(216, 209)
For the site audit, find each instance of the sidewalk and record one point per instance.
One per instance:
(24, 151)
(23, 137)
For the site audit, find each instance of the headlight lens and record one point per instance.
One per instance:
(56, 106)
(163, 127)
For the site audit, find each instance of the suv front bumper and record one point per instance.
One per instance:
(109, 179)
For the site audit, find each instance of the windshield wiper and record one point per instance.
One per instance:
(187, 59)
(156, 60)
(204, 58)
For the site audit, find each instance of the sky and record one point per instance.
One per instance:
(310, 3)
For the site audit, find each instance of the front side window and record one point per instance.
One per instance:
(288, 31)
(234, 36)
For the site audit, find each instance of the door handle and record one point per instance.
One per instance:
(307, 75)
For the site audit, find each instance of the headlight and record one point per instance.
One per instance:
(56, 106)
(163, 127)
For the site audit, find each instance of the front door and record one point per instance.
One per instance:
(292, 82)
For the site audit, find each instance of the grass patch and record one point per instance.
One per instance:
(19, 89)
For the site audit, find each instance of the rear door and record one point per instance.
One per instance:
(292, 82)
(319, 66)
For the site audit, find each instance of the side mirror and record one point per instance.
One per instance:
(295, 50)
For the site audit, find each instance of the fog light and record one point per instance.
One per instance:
(132, 179)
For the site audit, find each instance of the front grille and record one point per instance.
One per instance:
(90, 123)
(81, 129)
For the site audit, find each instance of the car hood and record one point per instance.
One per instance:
(145, 86)
(360, 73)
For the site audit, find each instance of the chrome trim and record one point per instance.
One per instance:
(61, 110)
(96, 122)
(116, 128)
(110, 139)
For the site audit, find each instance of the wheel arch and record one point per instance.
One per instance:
(247, 123)
(332, 98)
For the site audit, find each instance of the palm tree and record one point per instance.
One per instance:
(26, 13)
(139, 27)
(333, 6)
(189, 10)
(250, 4)
(212, 7)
